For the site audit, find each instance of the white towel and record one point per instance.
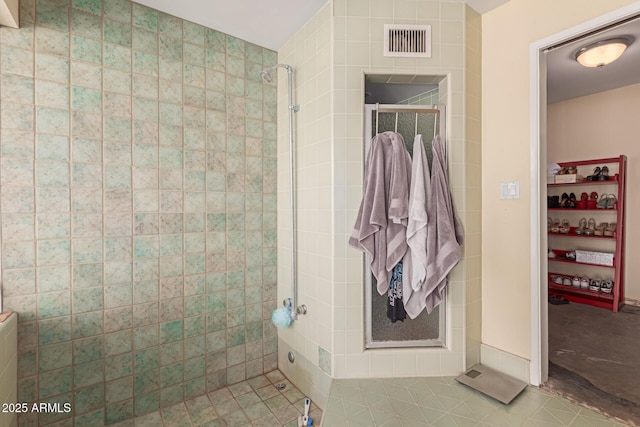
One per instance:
(415, 260)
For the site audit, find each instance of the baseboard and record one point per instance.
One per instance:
(504, 362)
(632, 302)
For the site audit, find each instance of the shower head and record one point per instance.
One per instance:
(267, 74)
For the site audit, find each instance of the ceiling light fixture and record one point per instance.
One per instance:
(602, 52)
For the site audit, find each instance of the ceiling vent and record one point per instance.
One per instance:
(413, 41)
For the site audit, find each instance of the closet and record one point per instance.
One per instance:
(591, 122)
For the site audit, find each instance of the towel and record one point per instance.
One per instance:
(415, 260)
(444, 231)
(381, 224)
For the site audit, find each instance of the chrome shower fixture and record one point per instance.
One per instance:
(267, 74)
(267, 77)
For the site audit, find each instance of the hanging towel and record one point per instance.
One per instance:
(415, 260)
(444, 231)
(395, 306)
(381, 224)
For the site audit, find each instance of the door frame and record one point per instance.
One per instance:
(539, 364)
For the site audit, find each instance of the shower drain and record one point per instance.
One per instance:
(281, 386)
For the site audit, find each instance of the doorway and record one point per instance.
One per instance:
(553, 327)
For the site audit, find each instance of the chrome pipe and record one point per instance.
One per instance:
(267, 76)
(292, 198)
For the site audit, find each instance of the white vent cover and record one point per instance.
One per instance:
(407, 40)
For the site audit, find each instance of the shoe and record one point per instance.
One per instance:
(603, 202)
(607, 286)
(584, 283)
(571, 255)
(593, 196)
(555, 226)
(551, 254)
(572, 170)
(572, 200)
(612, 201)
(566, 281)
(591, 227)
(596, 174)
(582, 203)
(599, 231)
(610, 230)
(576, 282)
(595, 285)
(582, 225)
(558, 300)
(604, 174)
(557, 280)
(565, 227)
(564, 200)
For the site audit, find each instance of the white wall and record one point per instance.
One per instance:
(507, 33)
(600, 126)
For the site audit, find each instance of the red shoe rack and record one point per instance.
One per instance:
(564, 242)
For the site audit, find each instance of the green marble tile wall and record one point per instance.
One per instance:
(138, 208)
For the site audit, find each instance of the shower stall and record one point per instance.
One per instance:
(427, 329)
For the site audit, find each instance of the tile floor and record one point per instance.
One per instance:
(445, 402)
(392, 402)
(255, 402)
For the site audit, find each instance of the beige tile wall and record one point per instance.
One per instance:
(9, 369)
(472, 186)
(309, 53)
(330, 90)
(358, 25)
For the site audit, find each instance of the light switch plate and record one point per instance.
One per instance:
(510, 190)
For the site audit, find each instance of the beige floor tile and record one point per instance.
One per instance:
(266, 421)
(255, 402)
(267, 392)
(240, 388)
(259, 382)
(248, 399)
(236, 419)
(257, 411)
(276, 402)
(153, 419)
(220, 395)
(287, 414)
(226, 407)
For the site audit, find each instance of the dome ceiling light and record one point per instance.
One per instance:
(602, 52)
